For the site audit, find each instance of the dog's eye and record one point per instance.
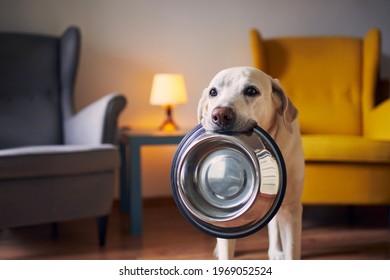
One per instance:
(251, 91)
(213, 92)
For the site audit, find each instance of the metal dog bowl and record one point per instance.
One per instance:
(228, 185)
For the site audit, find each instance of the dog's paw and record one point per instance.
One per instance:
(276, 255)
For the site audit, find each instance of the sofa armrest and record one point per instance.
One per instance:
(96, 123)
(377, 124)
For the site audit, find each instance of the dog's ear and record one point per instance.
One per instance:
(203, 105)
(285, 107)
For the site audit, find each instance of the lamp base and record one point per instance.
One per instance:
(168, 124)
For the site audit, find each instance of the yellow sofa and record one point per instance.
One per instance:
(346, 137)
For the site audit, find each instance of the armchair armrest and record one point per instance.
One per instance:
(96, 123)
(377, 123)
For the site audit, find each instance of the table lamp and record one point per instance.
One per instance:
(168, 90)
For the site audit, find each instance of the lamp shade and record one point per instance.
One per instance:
(168, 89)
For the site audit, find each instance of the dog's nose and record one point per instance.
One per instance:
(223, 116)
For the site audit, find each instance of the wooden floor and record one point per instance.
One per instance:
(167, 235)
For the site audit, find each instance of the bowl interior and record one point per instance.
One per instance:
(219, 178)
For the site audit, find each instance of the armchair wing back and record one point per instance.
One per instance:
(37, 74)
(322, 75)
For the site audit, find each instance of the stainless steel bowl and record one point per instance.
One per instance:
(228, 185)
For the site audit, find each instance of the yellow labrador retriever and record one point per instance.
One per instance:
(236, 100)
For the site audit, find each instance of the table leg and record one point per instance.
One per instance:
(124, 177)
(135, 192)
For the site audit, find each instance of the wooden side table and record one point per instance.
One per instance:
(131, 142)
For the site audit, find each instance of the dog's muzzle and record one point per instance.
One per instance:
(228, 185)
(225, 120)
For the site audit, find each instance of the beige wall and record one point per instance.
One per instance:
(124, 42)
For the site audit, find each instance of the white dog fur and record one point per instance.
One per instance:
(236, 100)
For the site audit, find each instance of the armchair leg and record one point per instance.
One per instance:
(102, 229)
(388, 217)
(54, 230)
(351, 215)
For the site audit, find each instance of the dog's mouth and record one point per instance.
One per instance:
(237, 127)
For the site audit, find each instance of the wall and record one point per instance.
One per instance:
(124, 42)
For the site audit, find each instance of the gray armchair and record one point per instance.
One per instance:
(55, 165)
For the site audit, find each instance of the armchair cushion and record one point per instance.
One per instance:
(57, 160)
(353, 149)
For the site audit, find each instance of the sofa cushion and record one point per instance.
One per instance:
(57, 160)
(356, 149)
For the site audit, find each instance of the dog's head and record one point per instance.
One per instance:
(239, 98)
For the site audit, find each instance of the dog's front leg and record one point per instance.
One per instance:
(289, 221)
(224, 250)
(275, 251)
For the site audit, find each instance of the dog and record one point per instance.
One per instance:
(238, 99)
